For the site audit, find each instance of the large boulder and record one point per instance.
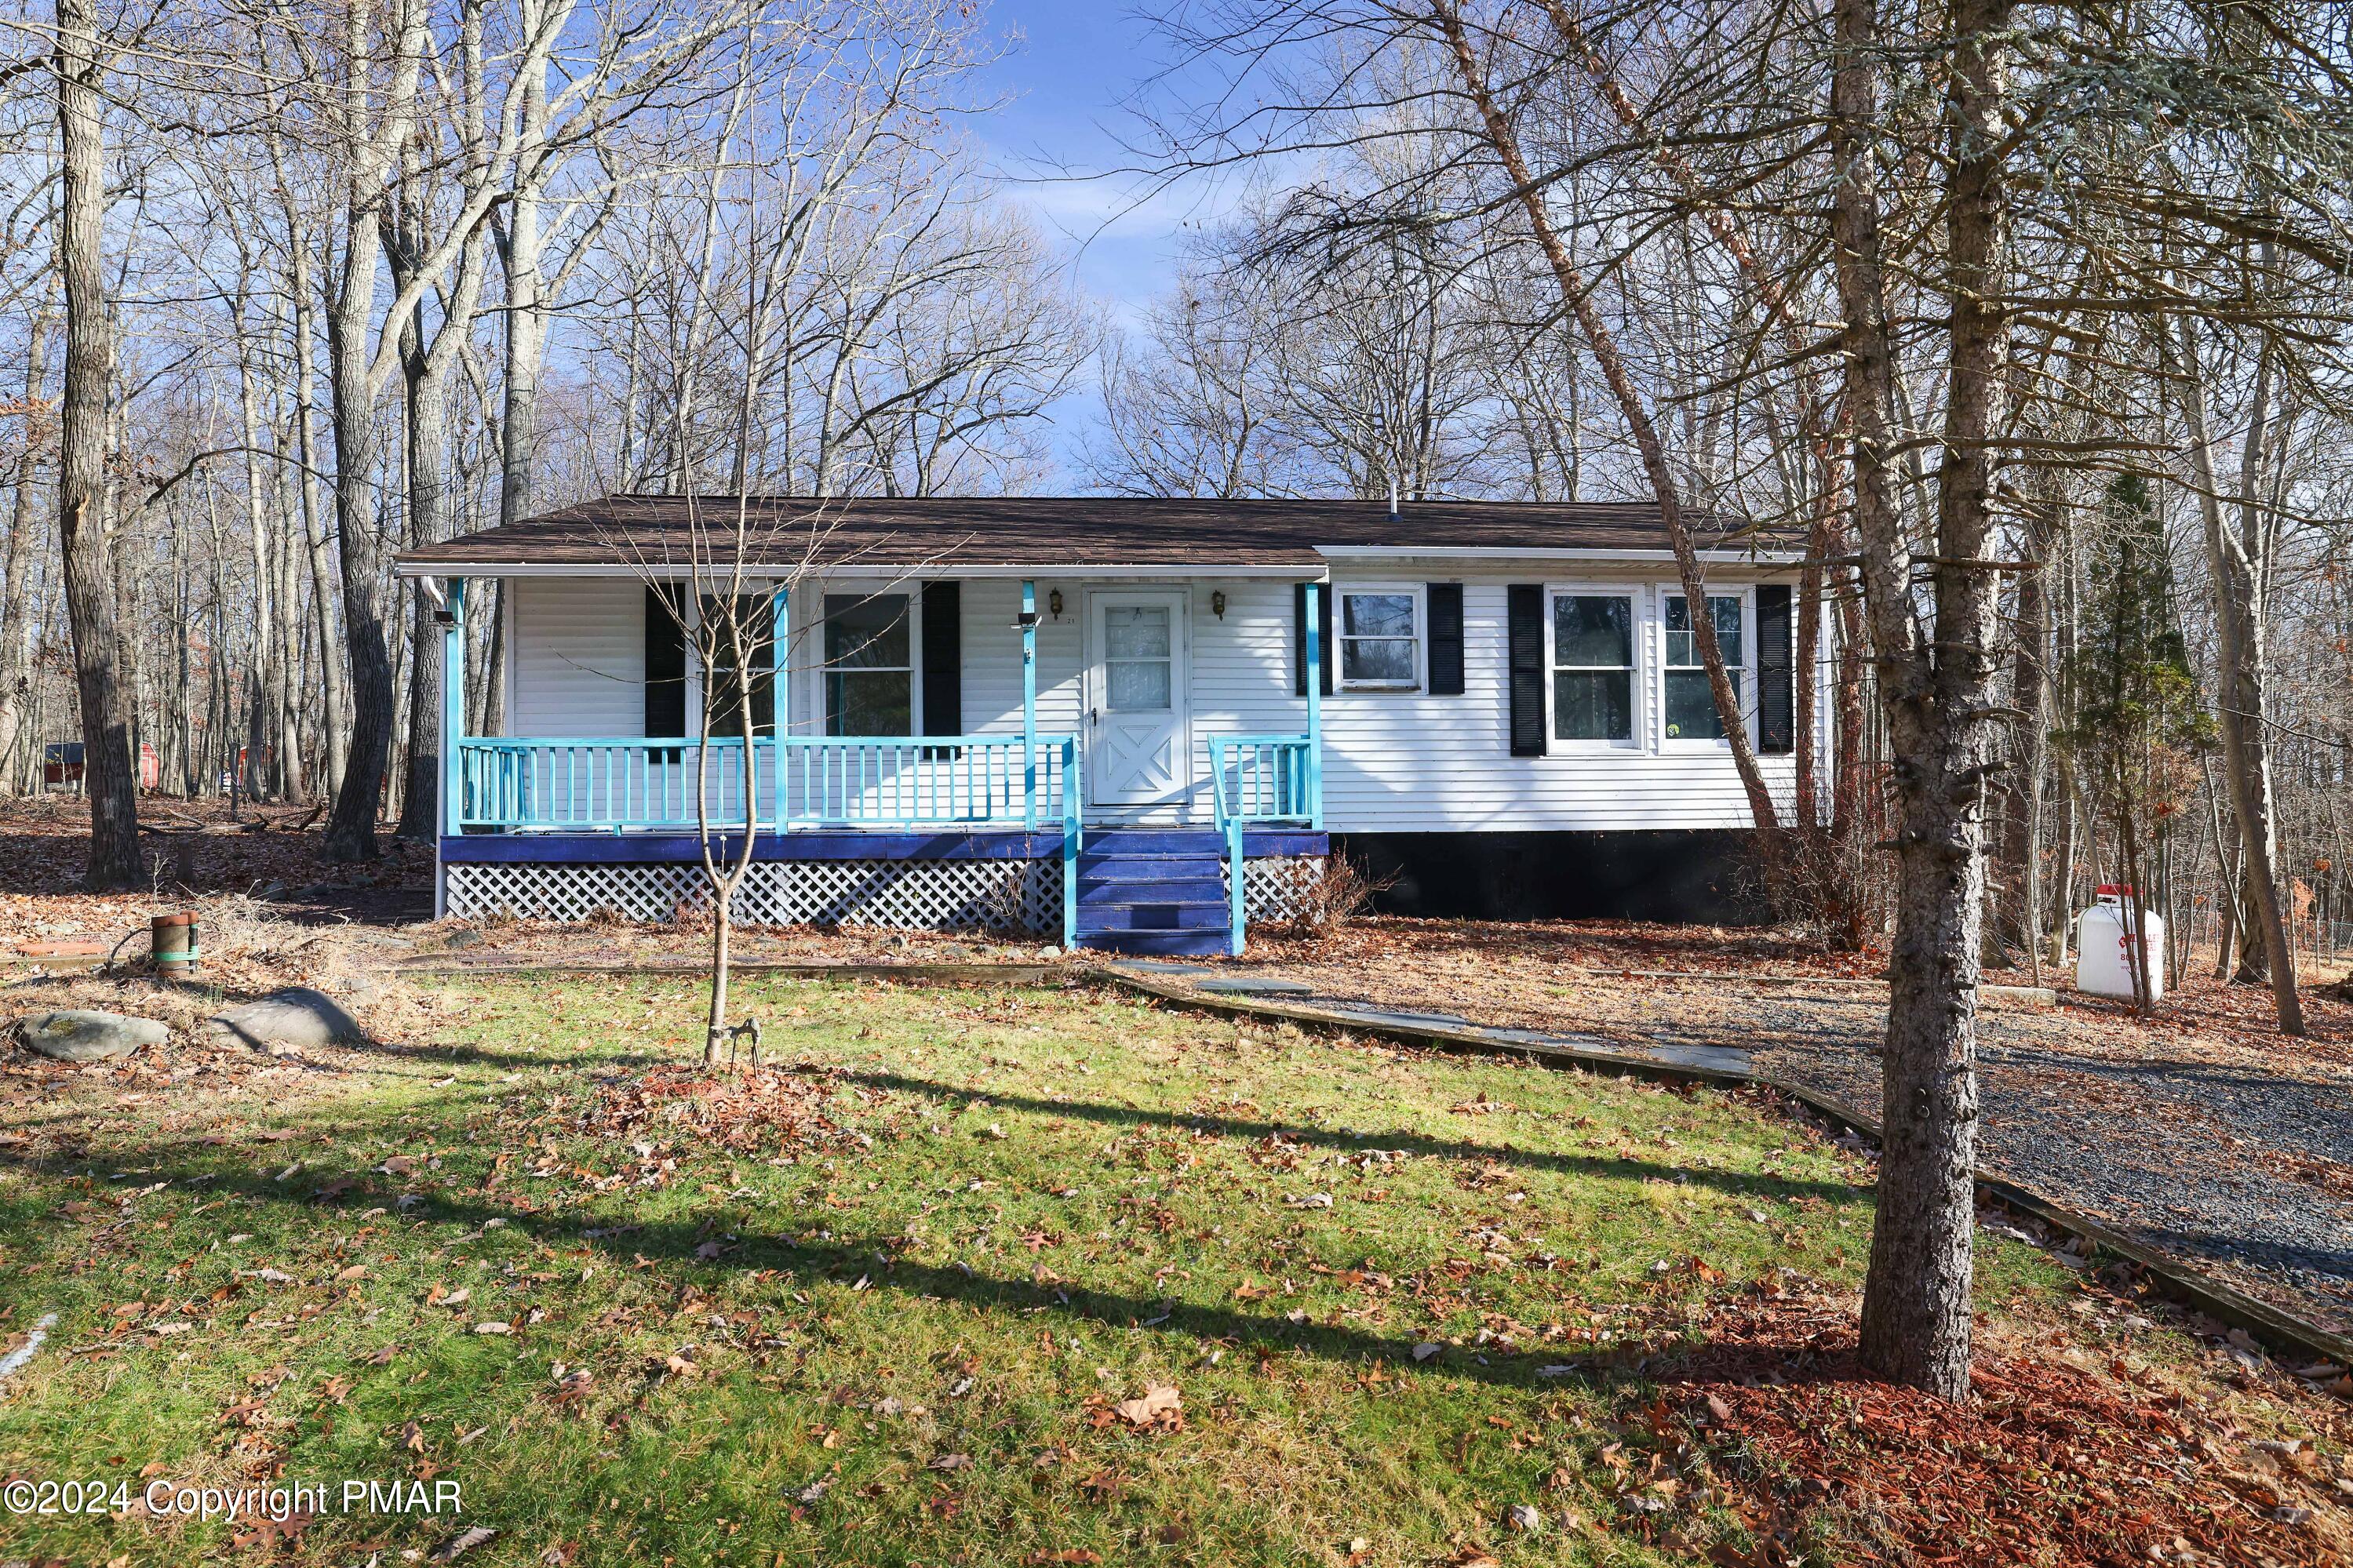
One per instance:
(81, 1035)
(297, 1015)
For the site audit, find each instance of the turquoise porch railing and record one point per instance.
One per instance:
(1260, 780)
(962, 781)
(1264, 778)
(534, 784)
(522, 783)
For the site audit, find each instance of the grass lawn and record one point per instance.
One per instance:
(915, 1297)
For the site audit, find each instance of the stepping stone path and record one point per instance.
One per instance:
(1725, 1061)
(1256, 985)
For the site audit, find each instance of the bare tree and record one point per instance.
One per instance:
(16, 566)
(2239, 560)
(84, 425)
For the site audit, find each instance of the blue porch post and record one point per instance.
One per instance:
(1029, 705)
(1237, 887)
(1314, 707)
(453, 708)
(780, 636)
(1073, 828)
(453, 731)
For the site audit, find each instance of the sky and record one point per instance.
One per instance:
(1070, 72)
(1071, 68)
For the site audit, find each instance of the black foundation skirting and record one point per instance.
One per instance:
(1687, 875)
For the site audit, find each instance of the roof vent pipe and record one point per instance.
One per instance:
(1392, 511)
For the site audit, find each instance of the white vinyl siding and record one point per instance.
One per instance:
(1394, 761)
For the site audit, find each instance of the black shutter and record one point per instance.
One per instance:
(1299, 637)
(1524, 604)
(724, 693)
(1776, 697)
(665, 661)
(1445, 601)
(943, 660)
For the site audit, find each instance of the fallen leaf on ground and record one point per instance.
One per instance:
(1155, 1403)
(458, 1544)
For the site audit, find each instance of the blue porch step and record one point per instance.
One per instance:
(1210, 889)
(1158, 943)
(1152, 917)
(1153, 891)
(1120, 841)
(1095, 868)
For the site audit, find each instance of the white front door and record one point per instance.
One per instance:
(1139, 749)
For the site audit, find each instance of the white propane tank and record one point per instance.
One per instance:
(2104, 943)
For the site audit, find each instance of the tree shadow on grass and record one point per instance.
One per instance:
(1354, 1141)
(683, 1243)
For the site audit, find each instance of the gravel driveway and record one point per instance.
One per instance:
(2247, 1173)
(2237, 1159)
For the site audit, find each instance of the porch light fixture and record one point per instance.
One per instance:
(1054, 602)
(1217, 604)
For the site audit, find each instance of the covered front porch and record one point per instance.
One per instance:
(993, 829)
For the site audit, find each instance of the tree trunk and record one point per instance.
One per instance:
(289, 771)
(1935, 689)
(370, 152)
(334, 718)
(526, 345)
(83, 425)
(425, 366)
(1808, 660)
(268, 679)
(351, 825)
(2022, 788)
(2235, 561)
(17, 572)
(428, 433)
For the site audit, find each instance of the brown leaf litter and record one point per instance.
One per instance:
(2048, 1461)
(765, 1110)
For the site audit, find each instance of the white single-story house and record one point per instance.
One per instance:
(1129, 723)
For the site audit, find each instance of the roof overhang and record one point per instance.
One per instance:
(684, 571)
(1593, 556)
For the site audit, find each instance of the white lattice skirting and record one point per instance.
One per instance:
(1004, 896)
(1275, 885)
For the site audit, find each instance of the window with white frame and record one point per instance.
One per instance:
(1381, 639)
(870, 665)
(1691, 713)
(1593, 666)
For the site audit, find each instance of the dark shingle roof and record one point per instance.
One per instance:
(1043, 531)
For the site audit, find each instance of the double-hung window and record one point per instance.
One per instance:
(1593, 666)
(1691, 713)
(1381, 639)
(870, 665)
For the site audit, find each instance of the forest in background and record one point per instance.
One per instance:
(379, 273)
